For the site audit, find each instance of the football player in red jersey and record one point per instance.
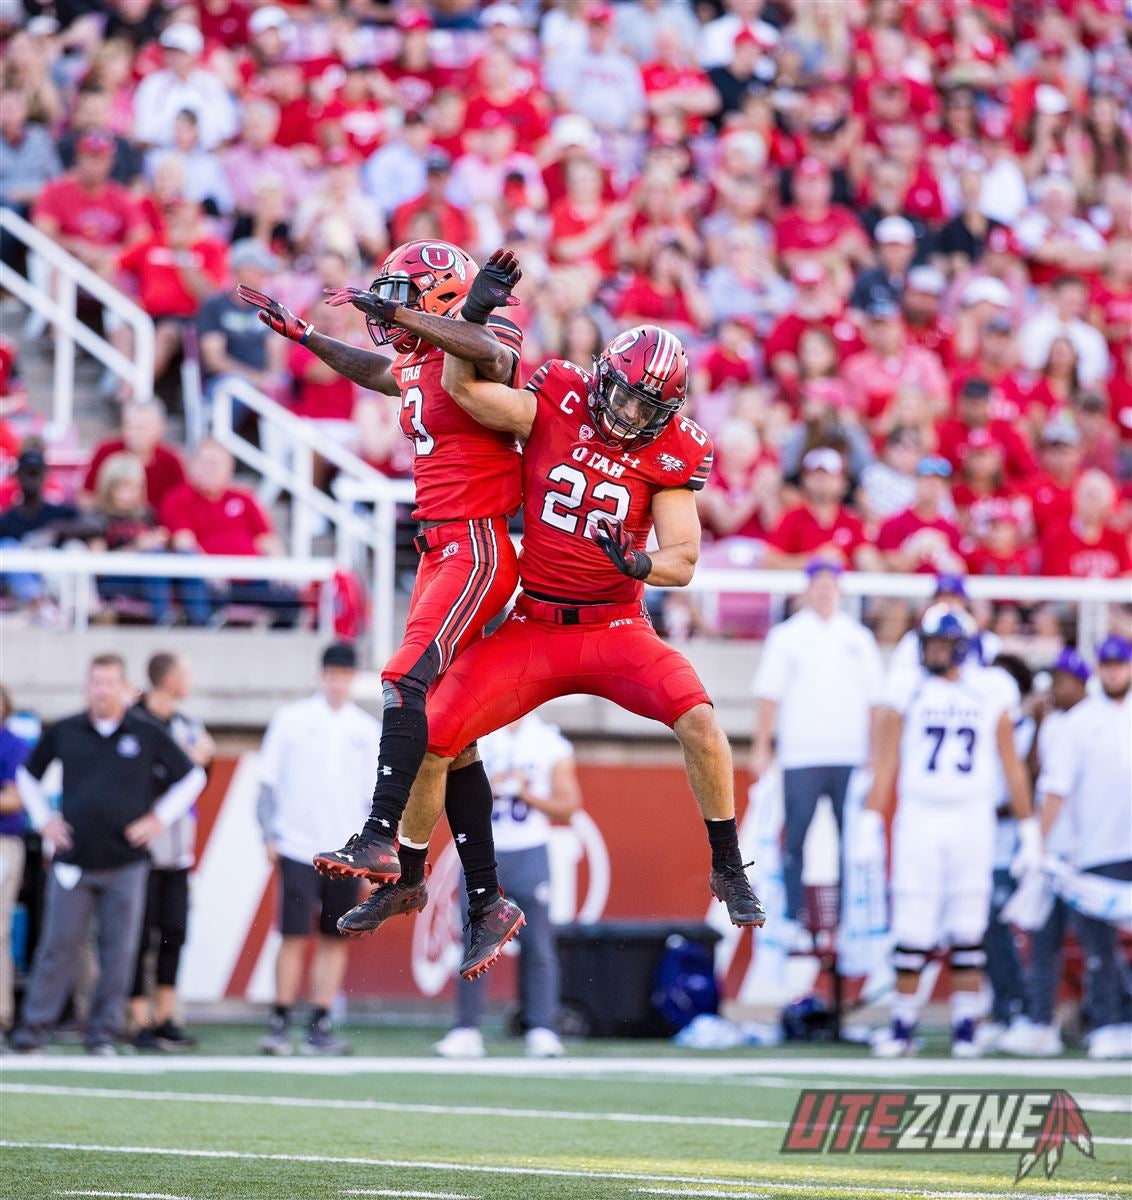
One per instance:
(467, 486)
(606, 460)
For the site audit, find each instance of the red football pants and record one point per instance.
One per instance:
(531, 659)
(466, 575)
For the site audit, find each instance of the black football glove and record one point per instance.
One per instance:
(620, 548)
(365, 302)
(492, 287)
(275, 316)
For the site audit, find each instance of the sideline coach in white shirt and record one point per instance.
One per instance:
(1089, 776)
(817, 687)
(316, 776)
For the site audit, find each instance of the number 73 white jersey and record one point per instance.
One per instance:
(948, 745)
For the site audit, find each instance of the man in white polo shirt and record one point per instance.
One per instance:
(316, 774)
(817, 687)
(1089, 775)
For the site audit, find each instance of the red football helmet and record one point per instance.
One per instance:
(431, 276)
(640, 384)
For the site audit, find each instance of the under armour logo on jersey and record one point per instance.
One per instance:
(450, 549)
(347, 857)
(461, 838)
(629, 460)
(670, 462)
(386, 771)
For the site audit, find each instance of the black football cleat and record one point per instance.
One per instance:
(492, 926)
(364, 856)
(389, 900)
(731, 885)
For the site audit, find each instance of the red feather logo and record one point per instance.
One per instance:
(1063, 1123)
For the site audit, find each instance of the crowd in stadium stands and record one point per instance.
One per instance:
(896, 238)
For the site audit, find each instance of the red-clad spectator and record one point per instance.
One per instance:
(1058, 382)
(1100, 440)
(1012, 390)
(1047, 74)
(503, 87)
(492, 155)
(85, 212)
(209, 515)
(923, 324)
(1050, 491)
(883, 57)
(1120, 404)
(730, 361)
(821, 524)
(414, 74)
(890, 362)
(1054, 240)
(582, 224)
(257, 155)
(1087, 546)
(143, 428)
(12, 393)
(674, 83)
(904, 144)
(923, 538)
(668, 293)
(336, 216)
(572, 137)
(1001, 551)
(362, 109)
(974, 413)
(815, 306)
(813, 227)
(661, 216)
(452, 222)
(743, 497)
(981, 485)
(174, 274)
(1111, 300)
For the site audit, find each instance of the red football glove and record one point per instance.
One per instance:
(621, 548)
(275, 316)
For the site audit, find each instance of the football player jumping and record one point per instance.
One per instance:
(467, 485)
(606, 460)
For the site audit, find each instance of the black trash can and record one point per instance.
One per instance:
(607, 975)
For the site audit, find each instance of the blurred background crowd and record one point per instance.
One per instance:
(896, 239)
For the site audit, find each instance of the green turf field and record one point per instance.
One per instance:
(615, 1120)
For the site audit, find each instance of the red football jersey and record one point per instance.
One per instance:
(462, 470)
(571, 477)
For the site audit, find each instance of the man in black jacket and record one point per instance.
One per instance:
(100, 840)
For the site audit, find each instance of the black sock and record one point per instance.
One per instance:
(412, 862)
(318, 1015)
(404, 740)
(723, 836)
(283, 1013)
(467, 804)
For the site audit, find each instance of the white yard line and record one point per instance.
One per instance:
(708, 1065)
(485, 1169)
(434, 1110)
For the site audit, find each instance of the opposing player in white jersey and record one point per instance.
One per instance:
(943, 735)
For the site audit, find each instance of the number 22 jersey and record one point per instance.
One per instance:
(571, 477)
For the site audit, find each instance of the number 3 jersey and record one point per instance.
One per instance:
(949, 745)
(461, 469)
(571, 477)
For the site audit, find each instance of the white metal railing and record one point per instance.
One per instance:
(1091, 597)
(76, 569)
(52, 292)
(363, 541)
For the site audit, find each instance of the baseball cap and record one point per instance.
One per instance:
(818, 564)
(269, 17)
(599, 14)
(501, 14)
(882, 308)
(932, 464)
(437, 160)
(811, 168)
(31, 459)
(184, 37)
(1114, 649)
(1060, 432)
(413, 19)
(833, 392)
(247, 252)
(926, 279)
(987, 290)
(950, 585)
(1002, 510)
(746, 38)
(823, 458)
(573, 129)
(1050, 101)
(807, 272)
(895, 229)
(1071, 662)
(340, 654)
(95, 142)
